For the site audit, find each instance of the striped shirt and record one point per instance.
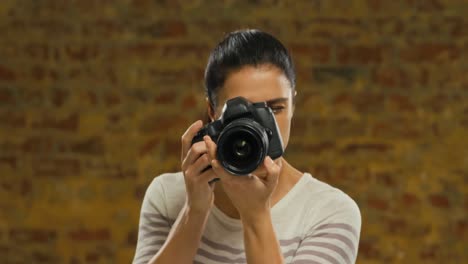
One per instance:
(314, 223)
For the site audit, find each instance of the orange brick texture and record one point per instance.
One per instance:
(95, 95)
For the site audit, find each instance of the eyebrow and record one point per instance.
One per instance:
(277, 100)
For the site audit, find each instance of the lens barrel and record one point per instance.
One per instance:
(242, 146)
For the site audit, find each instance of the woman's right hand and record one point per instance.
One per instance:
(194, 158)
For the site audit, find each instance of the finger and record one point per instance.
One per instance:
(188, 136)
(193, 171)
(218, 169)
(201, 163)
(261, 171)
(272, 168)
(208, 176)
(211, 147)
(195, 151)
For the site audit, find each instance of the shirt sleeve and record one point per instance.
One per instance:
(336, 239)
(154, 225)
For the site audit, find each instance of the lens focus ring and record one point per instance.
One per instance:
(242, 146)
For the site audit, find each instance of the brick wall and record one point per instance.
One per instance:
(94, 96)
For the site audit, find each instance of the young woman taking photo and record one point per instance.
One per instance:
(275, 214)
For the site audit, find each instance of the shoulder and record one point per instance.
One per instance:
(166, 192)
(333, 224)
(331, 204)
(166, 182)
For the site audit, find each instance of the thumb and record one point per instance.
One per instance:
(272, 168)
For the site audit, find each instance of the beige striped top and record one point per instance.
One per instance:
(314, 223)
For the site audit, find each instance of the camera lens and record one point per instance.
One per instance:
(242, 146)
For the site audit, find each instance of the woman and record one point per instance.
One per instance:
(276, 214)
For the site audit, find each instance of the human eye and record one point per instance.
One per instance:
(277, 109)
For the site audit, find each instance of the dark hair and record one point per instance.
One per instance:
(245, 47)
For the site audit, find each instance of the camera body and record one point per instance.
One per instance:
(245, 134)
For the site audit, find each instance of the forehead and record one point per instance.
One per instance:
(256, 84)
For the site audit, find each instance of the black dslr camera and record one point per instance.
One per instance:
(245, 134)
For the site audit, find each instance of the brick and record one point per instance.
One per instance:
(401, 103)
(160, 123)
(298, 126)
(317, 53)
(149, 146)
(319, 147)
(32, 235)
(139, 192)
(7, 74)
(406, 128)
(377, 203)
(44, 257)
(190, 102)
(369, 248)
(322, 170)
(88, 235)
(392, 77)
(88, 97)
(34, 96)
(9, 50)
(102, 27)
(68, 123)
(168, 78)
(386, 179)
(40, 51)
(396, 225)
(40, 73)
(55, 167)
(6, 97)
(132, 237)
(437, 102)
(344, 173)
(166, 97)
(429, 5)
(59, 97)
(324, 74)
(172, 146)
(366, 147)
(343, 98)
(344, 127)
(112, 99)
(366, 102)
(389, 26)
(429, 252)
(12, 119)
(429, 52)
(92, 257)
(89, 146)
(457, 26)
(82, 52)
(124, 174)
(439, 200)
(164, 29)
(460, 228)
(360, 54)
(410, 199)
(10, 161)
(43, 144)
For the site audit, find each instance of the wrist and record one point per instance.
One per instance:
(196, 212)
(256, 218)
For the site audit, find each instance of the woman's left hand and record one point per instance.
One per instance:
(250, 194)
